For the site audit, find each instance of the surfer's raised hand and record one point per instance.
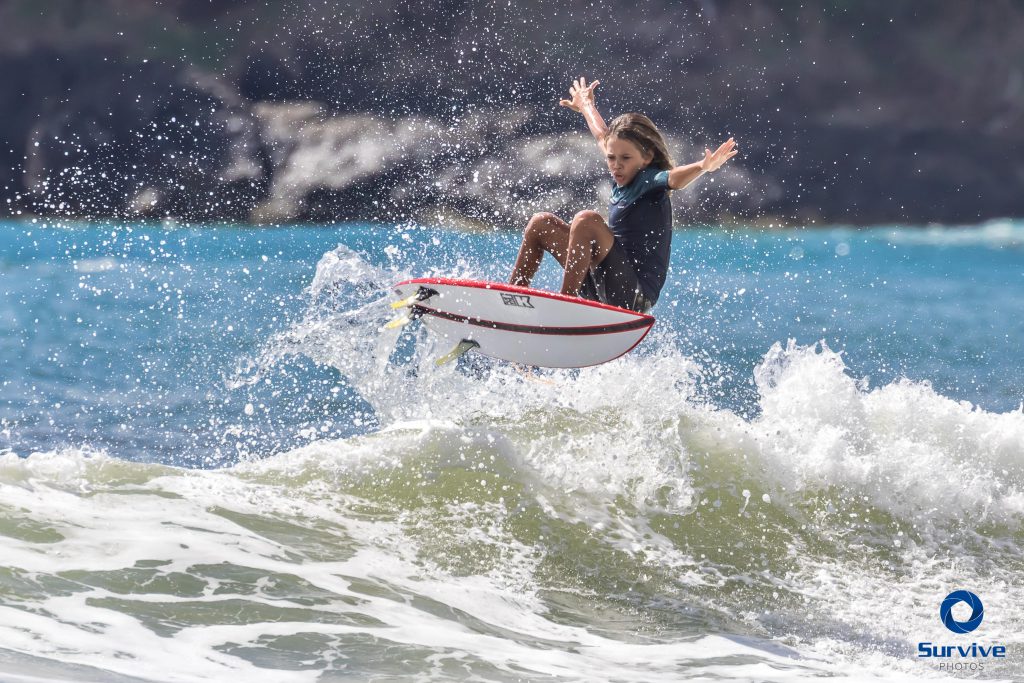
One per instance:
(714, 160)
(681, 176)
(581, 101)
(580, 94)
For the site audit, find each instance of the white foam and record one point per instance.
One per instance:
(996, 234)
(174, 517)
(906, 448)
(96, 265)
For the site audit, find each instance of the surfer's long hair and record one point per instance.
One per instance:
(642, 132)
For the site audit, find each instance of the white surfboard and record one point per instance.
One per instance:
(519, 324)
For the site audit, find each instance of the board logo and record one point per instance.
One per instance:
(520, 300)
(946, 611)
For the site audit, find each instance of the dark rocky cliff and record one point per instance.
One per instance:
(853, 112)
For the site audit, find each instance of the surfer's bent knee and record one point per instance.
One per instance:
(587, 216)
(587, 224)
(540, 227)
(544, 218)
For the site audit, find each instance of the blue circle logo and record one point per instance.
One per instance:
(946, 611)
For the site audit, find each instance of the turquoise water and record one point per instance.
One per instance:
(115, 325)
(211, 450)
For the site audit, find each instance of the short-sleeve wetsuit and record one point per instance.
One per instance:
(640, 216)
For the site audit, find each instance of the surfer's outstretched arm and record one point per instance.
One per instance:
(581, 100)
(681, 176)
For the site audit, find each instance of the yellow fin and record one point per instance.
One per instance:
(460, 348)
(408, 301)
(398, 322)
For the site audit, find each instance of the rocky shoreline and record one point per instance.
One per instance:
(333, 125)
(204, 154)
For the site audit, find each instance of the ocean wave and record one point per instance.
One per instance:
(609, 522)
(114, 573)
(641, 427)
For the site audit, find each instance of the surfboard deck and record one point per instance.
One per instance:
(521, 324)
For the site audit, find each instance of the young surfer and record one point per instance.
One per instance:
(622, 262)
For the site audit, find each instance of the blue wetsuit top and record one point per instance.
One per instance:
(640, 217)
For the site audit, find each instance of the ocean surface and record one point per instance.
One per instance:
(215, 465)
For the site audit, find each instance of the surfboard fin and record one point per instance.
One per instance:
(400, 321)
(422, 294)
(409, 301)
(460, 349)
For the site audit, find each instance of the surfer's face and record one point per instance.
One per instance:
(625, 159)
